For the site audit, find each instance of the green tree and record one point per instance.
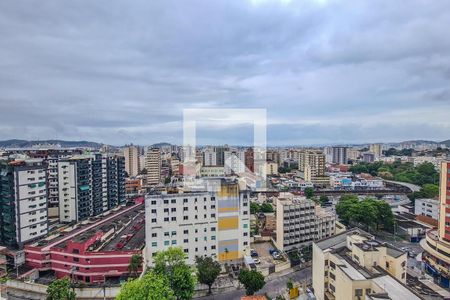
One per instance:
(171, 264)
(252, 280)
(135, 263)
(323, 199)
(290, 284)
(343, 207)
(385, 217)
(207, 270)
(254, 208)
(309, 192)
(150, 287)
(60, 290)
(266, 208)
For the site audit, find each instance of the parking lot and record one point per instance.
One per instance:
(264, 255)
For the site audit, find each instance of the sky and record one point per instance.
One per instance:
(325, 71)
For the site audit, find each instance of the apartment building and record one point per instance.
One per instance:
(23, 201)
(427, 207)
(300, 222)
(376, 149)
(273, 156)
(209, 158)
(214, 224)
(312, 160)
(153, 166)
(339, 155)
(132, 161)
(271, 168)
(353, 265)
(212, 171)
(90, 185)
(249, 157)
(234, 162)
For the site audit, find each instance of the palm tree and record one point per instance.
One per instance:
(135, 264)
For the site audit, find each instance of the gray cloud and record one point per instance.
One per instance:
(326, 71)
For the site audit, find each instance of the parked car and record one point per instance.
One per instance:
(253, 253)
(276, 255)
(256, 260)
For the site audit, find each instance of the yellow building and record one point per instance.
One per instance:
(353, 265)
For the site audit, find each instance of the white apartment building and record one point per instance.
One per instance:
(234, 162)
(132, 161)
(300, 222)
(215, 224)
(209, 158)
(23, 197)
(153, 166)
(427, 207)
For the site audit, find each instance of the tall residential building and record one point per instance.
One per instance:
(300, 222)
(214, 224)
(339, 155)
(273, 155)
(132, 161)
(220, 154)
(436, 245)
(209, 158)
(50, 158)
(153, 166)
(90, 185)
(234, 162)
(353, 265)
(315, 159)
(23, 201)
(249, 157)
(376, 150)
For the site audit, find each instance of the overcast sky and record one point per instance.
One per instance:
(326, 71)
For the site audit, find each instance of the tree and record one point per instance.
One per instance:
(309, 192)
(207, 271)
(323, 200)
(252, 280)
(171, 264)
(290, 284)
(266, 208)
(60, 290)
(385, 216)
(135, 264)
(150, 287)
(254, 208)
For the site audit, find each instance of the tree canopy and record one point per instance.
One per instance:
(171, 264)
(252, 280)
(369, 212)
(150, 287)
(207, 270)
(60, 290)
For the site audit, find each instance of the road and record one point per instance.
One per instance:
(412, 187)
(273, 288)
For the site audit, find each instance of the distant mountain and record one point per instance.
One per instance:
(15, 143)
(160, 145)
(447, 143)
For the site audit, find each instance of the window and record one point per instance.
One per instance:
(358, 293)
(185, 200)
(213, 215)
(174, 242)
(387, 265)
(185, 209)
(186, 241)
(166, 201)
(166, 219)
(173, 209)
(403, 275)
(185, 218)
(213, 228)
(154, 234)
(166, 243)
(245, 225)
(332, 265)
(153, 211)
(174, 218)
(174, 233)
(245, 243)
(368, 291)
(154, 244)
(186, 250)
(186, 231)
(166, 233)
(213, 238)
(166, 210)
(332, 276)
(332, 288)
(153, 202)
(245, 233)
(173, 201)
(213, 247)
(76, 259)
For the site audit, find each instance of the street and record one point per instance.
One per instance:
(273, 287)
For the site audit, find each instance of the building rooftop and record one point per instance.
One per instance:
(340, 239)
(111, 227)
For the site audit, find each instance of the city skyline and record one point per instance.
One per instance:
(108, 71)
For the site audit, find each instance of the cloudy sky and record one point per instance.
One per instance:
(326, 71)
